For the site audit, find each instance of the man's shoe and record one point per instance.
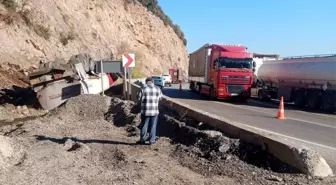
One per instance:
(140, 142)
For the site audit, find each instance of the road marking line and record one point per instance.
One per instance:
(290, 137)
(264, 112)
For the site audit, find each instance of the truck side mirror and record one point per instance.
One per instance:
(254, 64)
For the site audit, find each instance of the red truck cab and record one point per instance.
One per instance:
(227, 71)
(175, 75)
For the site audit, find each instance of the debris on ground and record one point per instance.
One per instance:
(17, 101)
(12, 75)
(91, 140)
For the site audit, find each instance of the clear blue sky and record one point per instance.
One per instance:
(285, 27)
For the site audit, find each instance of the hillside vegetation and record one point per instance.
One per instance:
(153, 6)
(34, 31)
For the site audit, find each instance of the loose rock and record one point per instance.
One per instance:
(212, 133)
(71, 145)
(274, 178)
(313, 163)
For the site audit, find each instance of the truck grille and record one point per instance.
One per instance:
(236, 79)
(235, 89)
(244, 78)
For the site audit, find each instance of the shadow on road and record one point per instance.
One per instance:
(183, 94)
(85, 141)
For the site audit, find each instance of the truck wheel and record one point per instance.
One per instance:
(198, 88)
(299, 99)
(328, 102)
(262, 96)
(313, 100)
(212, 94)
(192, 86)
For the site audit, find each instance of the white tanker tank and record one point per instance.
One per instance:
(305, 80)
(308, 72)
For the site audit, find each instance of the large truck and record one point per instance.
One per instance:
(221, 71)
(175, 75)
(308, 81)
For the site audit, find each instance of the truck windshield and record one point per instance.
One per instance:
(235, 63)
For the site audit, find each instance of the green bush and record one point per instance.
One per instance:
(136, 72)
(153, 6)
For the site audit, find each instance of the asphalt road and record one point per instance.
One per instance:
(301, 128)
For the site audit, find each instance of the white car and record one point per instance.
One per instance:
(158, 81)
(167, 79)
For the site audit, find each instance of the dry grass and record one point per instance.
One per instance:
(139, 59)
(94, 35)
(13, 15)
(127, 3)
(66, 37)
(122, 48)
(42, 31)
(9, 17)
(9, 4)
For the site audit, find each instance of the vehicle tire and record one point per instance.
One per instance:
(192, 86)
(212, 94)
(262, 97)
(313, 100)
(299, 99)
(327, 102)
(197, 88)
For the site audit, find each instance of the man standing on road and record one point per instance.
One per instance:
(149, 97)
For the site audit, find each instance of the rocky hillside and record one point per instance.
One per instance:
(32, 31)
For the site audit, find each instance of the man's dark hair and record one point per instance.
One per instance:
(149, 79)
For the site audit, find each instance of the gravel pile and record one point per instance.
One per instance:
(87, 106)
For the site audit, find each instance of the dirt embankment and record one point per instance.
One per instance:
(43, 30)
(90, 140)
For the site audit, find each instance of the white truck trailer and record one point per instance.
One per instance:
(308, 81)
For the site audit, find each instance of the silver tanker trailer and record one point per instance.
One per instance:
(305, 80)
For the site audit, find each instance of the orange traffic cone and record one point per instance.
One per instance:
(281, 111)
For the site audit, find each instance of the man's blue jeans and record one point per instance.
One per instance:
(145, 120)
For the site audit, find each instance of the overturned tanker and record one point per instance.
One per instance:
(55, 82)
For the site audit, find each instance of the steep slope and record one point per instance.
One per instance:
(45, 30)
